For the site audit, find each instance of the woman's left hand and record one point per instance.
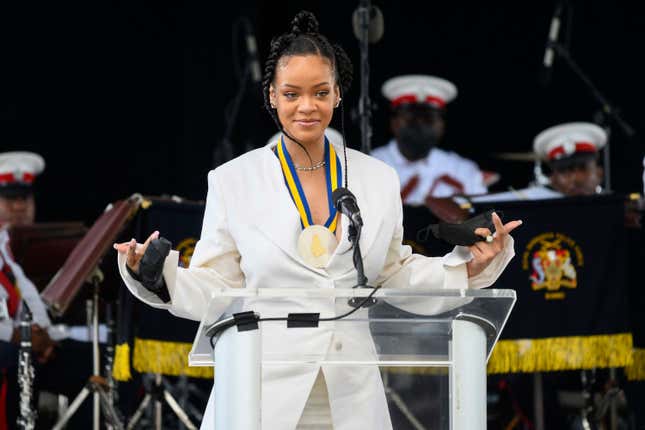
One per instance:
(484, 252)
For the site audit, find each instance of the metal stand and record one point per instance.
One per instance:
(157, 394)
(97, 385)
(364, 103)
(538, 401)
(606, 107)
(223, 152)
(587, 395)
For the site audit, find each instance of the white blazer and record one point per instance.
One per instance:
(249, 238)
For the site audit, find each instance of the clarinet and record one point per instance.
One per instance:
(27, 418)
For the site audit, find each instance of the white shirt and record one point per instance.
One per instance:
(28, 292)
(440, 174)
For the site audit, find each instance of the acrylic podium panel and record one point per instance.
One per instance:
(422, 340)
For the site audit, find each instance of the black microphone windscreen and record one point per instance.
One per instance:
(339, 193)
(376, 25)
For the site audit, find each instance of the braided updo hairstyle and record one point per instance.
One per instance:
(304, 39)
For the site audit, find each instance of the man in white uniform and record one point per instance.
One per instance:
(61, 365)
(571, 152)
(418, 105)
(17, 172)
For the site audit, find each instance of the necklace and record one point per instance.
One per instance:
(309, 169)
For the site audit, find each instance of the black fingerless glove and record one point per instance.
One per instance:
(464, 233)
(151, 268)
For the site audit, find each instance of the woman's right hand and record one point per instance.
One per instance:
(134, 251)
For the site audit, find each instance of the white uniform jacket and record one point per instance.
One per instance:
(440, 174)
(28, 293)
(249, 238)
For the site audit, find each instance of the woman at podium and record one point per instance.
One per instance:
(270, 221)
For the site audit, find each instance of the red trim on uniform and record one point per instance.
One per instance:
(13, 294)
(580, 147)
(409, 187)
(411, 98)
(436, 101)
(446, 179)
(10, 178)
(490, 177)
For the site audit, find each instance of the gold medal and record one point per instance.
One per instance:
(316, 244)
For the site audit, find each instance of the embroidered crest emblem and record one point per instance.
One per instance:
(552, 260)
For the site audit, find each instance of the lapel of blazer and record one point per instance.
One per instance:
(276, 215)
(278, 219)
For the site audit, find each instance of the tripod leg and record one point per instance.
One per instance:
(183, 417)
(158, 421)
(73, 407)
(158, 405)
(137, 414)
(109, 412)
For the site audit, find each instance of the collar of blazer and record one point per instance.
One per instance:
(279, 227)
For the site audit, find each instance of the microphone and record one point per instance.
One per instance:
(375, 26)
(345, 203)
(252, 51)
(554, 31)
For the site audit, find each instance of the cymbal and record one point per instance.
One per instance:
(516, 156)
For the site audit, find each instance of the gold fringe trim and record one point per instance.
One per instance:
(561, 353)
(121, 367)
(636, 372)
(167, 358)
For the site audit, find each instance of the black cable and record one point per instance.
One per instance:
(293, 317)
(364, 301)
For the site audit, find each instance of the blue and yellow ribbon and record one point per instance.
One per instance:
(333, 175)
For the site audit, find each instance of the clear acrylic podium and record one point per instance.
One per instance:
(418, 332)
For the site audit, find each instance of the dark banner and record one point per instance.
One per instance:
(570, 277)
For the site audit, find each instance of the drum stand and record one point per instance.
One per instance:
(158, 393)
(96, 384)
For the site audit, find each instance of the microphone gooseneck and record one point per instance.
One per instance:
(345, 203)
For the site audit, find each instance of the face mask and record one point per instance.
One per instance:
(416, 141)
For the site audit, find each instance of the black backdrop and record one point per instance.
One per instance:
(129, 96)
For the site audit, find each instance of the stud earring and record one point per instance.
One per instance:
(338, 103)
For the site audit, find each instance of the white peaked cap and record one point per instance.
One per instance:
(564, 140)
(419, 89)
(20, 167)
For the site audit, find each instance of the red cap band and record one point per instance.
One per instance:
(10, 178)
(411, 98)
(580, 147)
